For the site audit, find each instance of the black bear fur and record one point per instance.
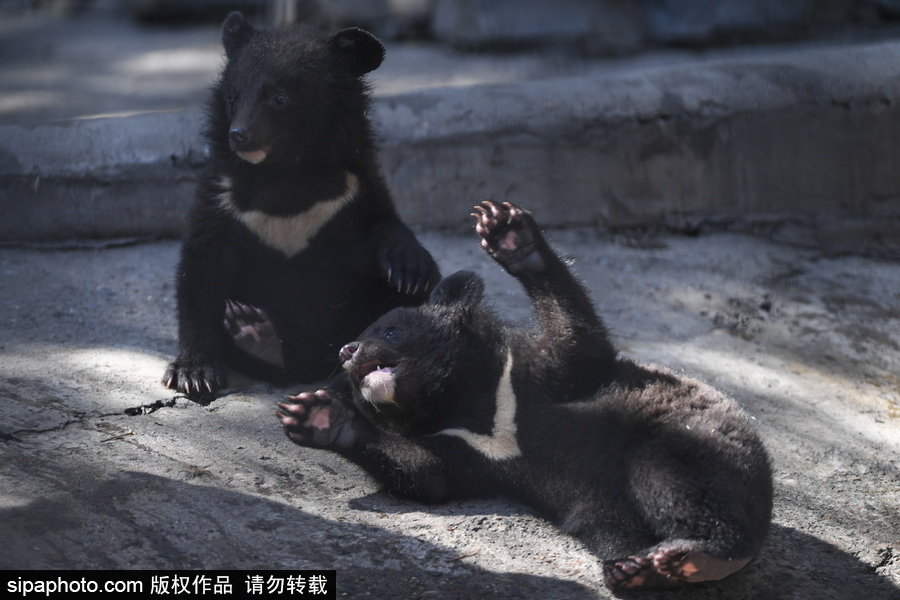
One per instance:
(661, 475)
(293, 217)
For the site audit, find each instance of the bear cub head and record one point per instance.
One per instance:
(292, 95)
(414, 366)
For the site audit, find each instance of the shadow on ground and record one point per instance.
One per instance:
(209, 528)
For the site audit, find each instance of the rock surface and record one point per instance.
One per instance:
(101, 467)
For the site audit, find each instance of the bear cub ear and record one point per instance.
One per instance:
(236, 32)
(463, 287)
(362, 51)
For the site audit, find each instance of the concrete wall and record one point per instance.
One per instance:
(807, 132)
(816, 132)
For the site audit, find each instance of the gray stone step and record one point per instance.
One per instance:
(758, 133)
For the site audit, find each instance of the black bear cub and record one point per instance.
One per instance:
(661, 475)
(294, 245)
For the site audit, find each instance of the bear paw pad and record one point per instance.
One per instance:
(510, 235)
(253, 332)
(668, 566)
(317, 419)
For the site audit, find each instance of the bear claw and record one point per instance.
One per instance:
(406, 269)
(197, 381)
(510, 235)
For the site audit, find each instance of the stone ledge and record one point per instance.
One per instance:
(810, 131)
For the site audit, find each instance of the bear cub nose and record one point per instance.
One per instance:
(238, 137)
(348, 351)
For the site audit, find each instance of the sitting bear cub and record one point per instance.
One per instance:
(661, 475)
(294, 245)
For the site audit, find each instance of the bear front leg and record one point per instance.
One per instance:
(199, 370)
(205, 273)
(427, 469)
(581, 354)
(408, 267)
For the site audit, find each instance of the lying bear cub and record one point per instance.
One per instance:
(661, 474)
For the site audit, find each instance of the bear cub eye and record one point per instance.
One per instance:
(390, 332)
(279, 100)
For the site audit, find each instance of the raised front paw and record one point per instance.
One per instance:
(510, 235)
(198, 380)
(317, 419)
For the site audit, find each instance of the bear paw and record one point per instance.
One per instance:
(253, 332)
(317, 419)
(631, 572)
(510, 235)
(668, 566)
(408, 268)
(198, 380)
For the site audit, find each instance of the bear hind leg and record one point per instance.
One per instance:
(710, 512)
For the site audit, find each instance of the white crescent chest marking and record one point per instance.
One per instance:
(501, 444)
(289, 235)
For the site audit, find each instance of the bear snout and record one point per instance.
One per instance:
(238, 138)
(348, 351)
